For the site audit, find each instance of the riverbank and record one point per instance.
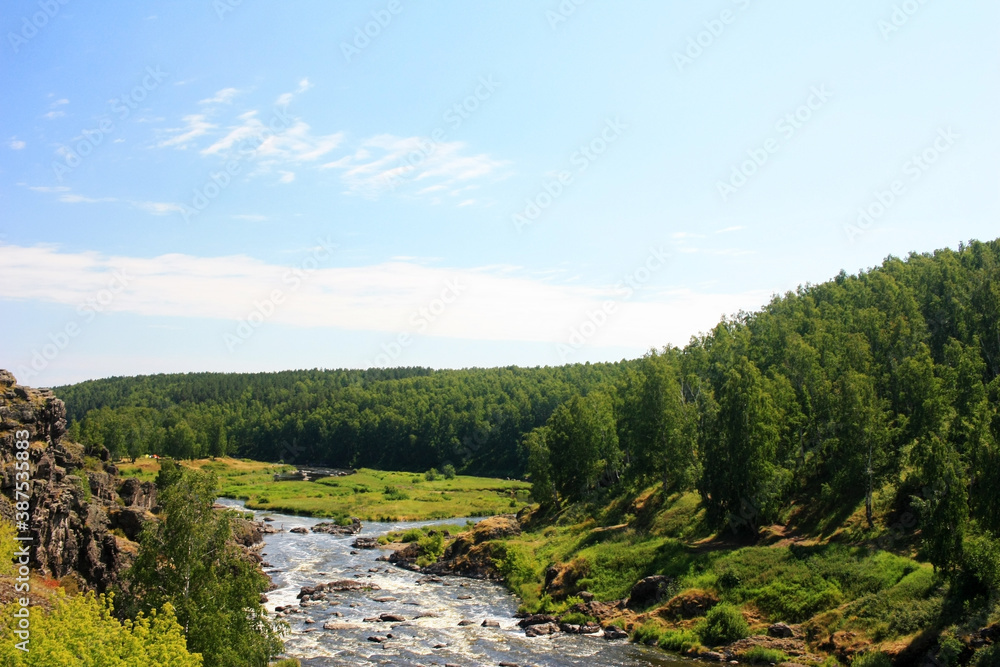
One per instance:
(651, 568)
(371, 495)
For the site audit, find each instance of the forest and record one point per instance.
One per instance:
(883, 383)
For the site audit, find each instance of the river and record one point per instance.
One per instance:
(298, 560)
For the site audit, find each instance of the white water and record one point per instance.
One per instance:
(306, 560)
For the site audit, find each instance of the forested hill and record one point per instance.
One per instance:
(858, 381)
(398, 419)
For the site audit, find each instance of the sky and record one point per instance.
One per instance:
(243, 185)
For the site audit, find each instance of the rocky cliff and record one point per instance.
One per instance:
(83, 517)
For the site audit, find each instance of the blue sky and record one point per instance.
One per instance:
(253, 185)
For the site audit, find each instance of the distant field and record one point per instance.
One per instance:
(368, 494)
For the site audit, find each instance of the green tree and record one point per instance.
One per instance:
(540, 465)
(82, 631)
(738, 468)
(583, 445)
(188, 560)
(944, 507)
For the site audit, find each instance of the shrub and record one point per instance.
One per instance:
(431, 475)
(431, 547)
(723, 624)
(392, 493)
(679, 641)
(448, 471)
(411, 535)
(871, 659)
(767, 656)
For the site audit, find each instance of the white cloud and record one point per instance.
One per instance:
(493, 303)
(385, 162)
(295, 144)
(54, 114)
(49, 188)
(60, 102)
(197, 125)
(16, 144)
(80, 199)
(287, 177)
(224, 96)
(158, 208)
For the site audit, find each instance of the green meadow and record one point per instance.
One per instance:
(370, 495)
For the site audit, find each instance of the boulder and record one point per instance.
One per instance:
(649, 590)
(541, 629)
(780, 630)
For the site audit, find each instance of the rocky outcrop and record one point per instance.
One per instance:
(74, 505)
(135, 493)
(334, 529)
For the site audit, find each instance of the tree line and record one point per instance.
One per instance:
(394, 419)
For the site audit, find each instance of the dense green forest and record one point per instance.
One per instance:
(397, 419)
(882, 383)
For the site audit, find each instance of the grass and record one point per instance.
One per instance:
(370, 495)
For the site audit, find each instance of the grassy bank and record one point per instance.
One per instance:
(843, 596)
(368, 494)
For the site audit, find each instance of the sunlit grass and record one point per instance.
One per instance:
(370, 495)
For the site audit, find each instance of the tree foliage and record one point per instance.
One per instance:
(187, 560)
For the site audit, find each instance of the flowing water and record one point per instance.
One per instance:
(298, 560)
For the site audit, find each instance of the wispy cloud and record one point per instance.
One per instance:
(52, 115)
(80, 199)
(224, 96)
(295, 144)
(16, 144)
(158, 208)
(287, 177)
(196, 125)
(386, 162)
(286, 98)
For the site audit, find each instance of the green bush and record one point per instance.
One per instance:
(431, 547)
(392, 493)
(723, 624)
(431, 475)
(411, 535)
(871, 659)
(448, 471)
(759, 655)
(647, 633)
(679, 641)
